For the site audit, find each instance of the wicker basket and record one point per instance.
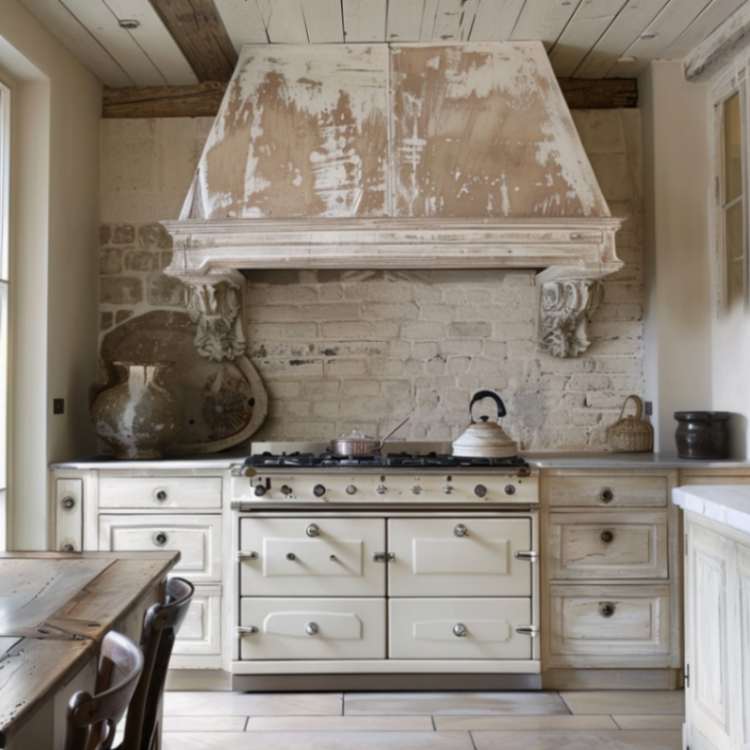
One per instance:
(631, 434)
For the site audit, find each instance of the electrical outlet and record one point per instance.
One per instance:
(58, 406)
(649, 408)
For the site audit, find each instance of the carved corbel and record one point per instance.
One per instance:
(215, 305)
(566, 307)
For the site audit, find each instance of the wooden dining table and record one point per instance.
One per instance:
(55, 609)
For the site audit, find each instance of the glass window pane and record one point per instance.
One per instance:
(4, 166)
(732, 148)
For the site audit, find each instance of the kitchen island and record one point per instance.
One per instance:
(717, 615)
(55, 609)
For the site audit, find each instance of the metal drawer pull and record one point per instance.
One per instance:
(313, 530)
(247, 555)
(526, 556)
(606, 495)
(291, 556)
(247, 630)
(460, 530)
(333, 558)
(606, 536)
(161, 538)
(161, 495)
(312, 628)
(68, 503)
(530, 630)
(459, 630)
(607, 609)
(383, 557)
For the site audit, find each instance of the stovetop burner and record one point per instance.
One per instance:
(299, 460)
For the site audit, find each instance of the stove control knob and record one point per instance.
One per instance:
(448, 489)
(286, 490)
(259, 490)
(351, 489)
(319, 490)
(480, 490)
(416, 490)
(381, 489)
(510, 489)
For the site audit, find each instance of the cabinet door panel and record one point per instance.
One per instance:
(459, 557)
(607, 545)
(743, 568)
(312, 556)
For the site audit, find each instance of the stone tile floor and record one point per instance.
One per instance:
(615, 720)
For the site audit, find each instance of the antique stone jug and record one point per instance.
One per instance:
(137, 416)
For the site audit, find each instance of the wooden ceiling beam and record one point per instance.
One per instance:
(199, 32)
(203, 99)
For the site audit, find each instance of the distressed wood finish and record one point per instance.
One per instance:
(197, 100)
(601, 93)
(199, 32)
(483, 131)
(606, 490)
(299, 134)
(101, 592)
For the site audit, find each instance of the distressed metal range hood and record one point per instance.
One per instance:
(395, 156)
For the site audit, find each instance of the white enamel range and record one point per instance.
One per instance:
(414, 563)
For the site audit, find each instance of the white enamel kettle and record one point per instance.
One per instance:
(485, 438)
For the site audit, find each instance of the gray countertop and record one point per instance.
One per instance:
(728, 504)
(588, 461)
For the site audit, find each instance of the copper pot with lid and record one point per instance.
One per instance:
(485, 438)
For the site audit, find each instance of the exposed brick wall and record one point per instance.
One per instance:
(361, 349)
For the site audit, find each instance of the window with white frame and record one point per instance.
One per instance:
(4, 293)
(730, 118)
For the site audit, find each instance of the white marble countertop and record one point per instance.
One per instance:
(573, 461)
(728, 504)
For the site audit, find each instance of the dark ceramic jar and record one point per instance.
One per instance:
(702, 434)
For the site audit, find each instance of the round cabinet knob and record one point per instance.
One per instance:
(319, 490)
(161, 495)
(68, 503)
(313, 530)
(459, 630)
(606, 609)
(286, 490)
(259, 490)
(351, 489)
(480, 490)
(606, 495)
(291, 556)
(68, 547)
(416, 490)
(510, 489)
(606, 536)
(312, 628)
(460, 530)
(161, 538)
(381, 489)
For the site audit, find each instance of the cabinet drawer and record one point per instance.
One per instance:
(312, 557)
(313, 628)
(607, 545)
(196, 538)
(459, 628)
(160, 493)
(69, 515)
(200, 633)
(607, 491)
(601, 626)
(459, 557)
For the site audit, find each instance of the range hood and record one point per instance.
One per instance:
(395, 157)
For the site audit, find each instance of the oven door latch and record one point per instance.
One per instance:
(384, 557)
(530, 630)
(527, 556)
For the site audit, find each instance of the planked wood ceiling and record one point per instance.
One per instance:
(585, 38)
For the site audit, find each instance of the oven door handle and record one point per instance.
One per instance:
(527, 556)
(384, 557)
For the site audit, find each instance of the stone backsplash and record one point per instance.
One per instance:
(339, 350)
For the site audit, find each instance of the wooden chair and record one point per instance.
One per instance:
(92, 719)
(160, 626)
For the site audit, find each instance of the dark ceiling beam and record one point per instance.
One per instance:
(199, 32)
(203, 99)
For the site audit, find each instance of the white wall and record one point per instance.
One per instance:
(677, 187)
(54, 223)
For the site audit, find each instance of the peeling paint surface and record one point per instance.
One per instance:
(483, 130)
(301, 132)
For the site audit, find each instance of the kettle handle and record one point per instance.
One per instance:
(479, 395)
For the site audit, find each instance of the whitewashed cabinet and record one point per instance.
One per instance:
(717, 637)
